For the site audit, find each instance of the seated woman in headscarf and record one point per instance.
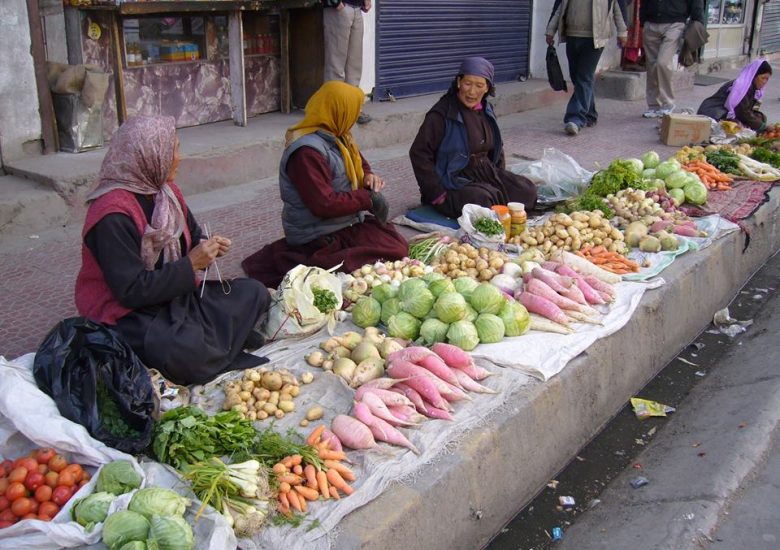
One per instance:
(327, 188)
(458, 155)
(142, 260)
(740, 99)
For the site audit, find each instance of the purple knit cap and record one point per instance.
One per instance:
(478, 66)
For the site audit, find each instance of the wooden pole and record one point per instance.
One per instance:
(45, 104)
(236, 58)
(119, 76)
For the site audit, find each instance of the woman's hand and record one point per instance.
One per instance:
(373, 182)
(550, 39)
(224, 244)
(204, 254)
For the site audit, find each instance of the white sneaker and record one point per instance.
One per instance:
(571, 128)
(652, 113)
(663, 112)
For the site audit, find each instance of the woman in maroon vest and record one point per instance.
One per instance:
(142, 261)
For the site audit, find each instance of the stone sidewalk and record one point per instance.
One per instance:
(38, 274)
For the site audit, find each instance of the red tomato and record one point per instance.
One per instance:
(15, 490)
(43, 456)
(7, 515)
(4, 503)
(43, 468)
(4, 524)
(61, 495)
(35, 504)
(8, 465)
(34, 480)
(67, 478)
(26, 462)
(76, 470)
(18, 474)
(48, 509)
(30, 516)
(51, 479)
(43, 493)
(22, 506)
(57, 463)
(4, 485)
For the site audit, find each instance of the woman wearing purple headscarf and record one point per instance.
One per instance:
(458, 155)
(142, 260)
(740, 99)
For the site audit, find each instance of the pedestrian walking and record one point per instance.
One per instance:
(663, 27)
(343, 25)
(584, 25)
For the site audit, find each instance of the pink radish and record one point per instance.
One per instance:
(589, 293)
(601, 287)
(333, 441)
(381, 383)
(574, 293)
(456, 358)
(583, 318)
(412, 395)
(407, 413)
(550, 266)
(540, 288)
(557, 282)
(381, 429)
(413, 354)
(389, 398)
(420, 382)
(433, 412)
(439, 368)
(352, 432)
(447, 391)
(471, 385)
(380, 410)
(685, 231)
(544, 307)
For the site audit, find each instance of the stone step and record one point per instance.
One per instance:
(29, 207)
(630, 85)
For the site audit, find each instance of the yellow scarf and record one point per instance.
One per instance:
(334, 108)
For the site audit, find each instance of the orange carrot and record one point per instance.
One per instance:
(345, 472)
(283, 506)
(279, 468)
(292, 479)
(308, 494)
(315, 435)
(284, 487)
(334, 492)
(296, 459)
(311, 476)
(337, 481)
(287, 462)
(298, 469)
(302, 502)
(327, 454)
(295, 502)
(322, 483)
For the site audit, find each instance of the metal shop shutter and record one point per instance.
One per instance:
(420, 44)
(770, 27)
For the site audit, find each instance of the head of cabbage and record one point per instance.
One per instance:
(403, 325)
(432, 276)
(665, 169)
(471, 314)
(366, 312)
(383, 292)
(486, 298)
(390, 308)
(440, 286)
(433, 331)
(515, 318)
(450, 307)
(92, 509)
(650, 159)
(695, 193)
(123, 527)
(117, 478)
(490, 328)
(465, 286)
(410, 287)
(676, 179)
(157, 501)
(170, 533)
(463, 334)
(418, 304)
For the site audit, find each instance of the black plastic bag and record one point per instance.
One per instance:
(554, 72)
(96, 380)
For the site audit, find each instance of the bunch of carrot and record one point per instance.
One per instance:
(611, 261)
(300, 482)
(710, 176)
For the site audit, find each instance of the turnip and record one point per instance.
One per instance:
(439, 414)
(352, 432)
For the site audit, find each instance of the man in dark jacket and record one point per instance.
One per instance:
(663, 22)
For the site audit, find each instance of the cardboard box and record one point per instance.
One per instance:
(684, 129)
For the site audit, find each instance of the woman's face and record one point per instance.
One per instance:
(175, 163)
(471, 90)
(760, 80)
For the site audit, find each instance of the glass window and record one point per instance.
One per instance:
(733, 12)
(166, 39)
(713, 12)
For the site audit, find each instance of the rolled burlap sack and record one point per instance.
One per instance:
(71, 80)
(95, 86)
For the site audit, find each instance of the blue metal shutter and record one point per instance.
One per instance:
(770, 28)
(420, 43)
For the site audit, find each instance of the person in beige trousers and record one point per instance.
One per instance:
(343, 28)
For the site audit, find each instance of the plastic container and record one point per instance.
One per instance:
(518, 218)
(504, 217)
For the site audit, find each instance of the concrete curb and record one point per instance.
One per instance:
(466, 497)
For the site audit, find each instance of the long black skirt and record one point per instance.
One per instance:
(192, 340)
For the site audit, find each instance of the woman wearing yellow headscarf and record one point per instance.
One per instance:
(328, 189)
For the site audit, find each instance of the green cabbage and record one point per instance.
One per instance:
(486, 298)
(636, 166)
(648, 174)
(676, 179)
(463, 334)
(156, 501)
(383, 292)
(134, 545)
(418, 304)
(515, 318)
(390, 308)
(410, 287)
(677, 195)
(92, 509)
(490, 328)
(117, 478)
(695, 193)
(432, 276)
(651, 159)
(171, 533)
(441, 286)
(465, 286)
(433, 331)
(450, 307)
(471, 314)
(403, 325)
(366, 312)
(123, 527)
(665, 169)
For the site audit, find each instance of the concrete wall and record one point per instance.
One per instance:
(54, 30)
(20, 122)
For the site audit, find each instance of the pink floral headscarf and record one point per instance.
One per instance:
(139, 160)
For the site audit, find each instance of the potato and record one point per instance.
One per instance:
(295, 390)
(279, 414)
(303, 423)
(315, 413)
(287, 406)
(247, 386)
(274, 398)
(244, 395)
(269, 408)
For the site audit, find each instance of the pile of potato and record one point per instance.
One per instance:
(464, 260)
(571, 232)
(263, 393)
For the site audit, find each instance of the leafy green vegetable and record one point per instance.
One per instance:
(91, 510)
(272, 447)
(762, 154)
(186, 435)
(324, 299)
(725, 161)
(587, 203)
(515, 318)
(463, 334)
(489, 226)
(486, 298)
(123, 527)
(620, 174)
(404, 325)
(490, 328)
(171, 533)
(117, 478)
(157, 501)
(366, 312)
(433, 330)
(109, 413)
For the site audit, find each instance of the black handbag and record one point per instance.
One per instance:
(554, 72)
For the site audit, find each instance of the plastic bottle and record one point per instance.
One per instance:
(504, 217)
(519, 218)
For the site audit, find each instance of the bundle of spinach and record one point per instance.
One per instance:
(488, 226)
(187, 435)
(110, 415)
(324, 300)
(725, 161)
